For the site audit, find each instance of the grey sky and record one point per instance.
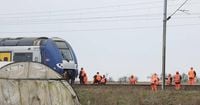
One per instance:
(118, 37)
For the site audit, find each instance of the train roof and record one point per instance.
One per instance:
(22, 41)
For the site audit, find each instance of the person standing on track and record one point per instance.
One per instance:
(132, 80)
(81, 75)
(103, 80)
(169, 79)
(85, 79)
(191, 76)
(97, 78)
(177, 81)
(154, 82)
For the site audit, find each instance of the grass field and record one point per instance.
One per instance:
(103, 95)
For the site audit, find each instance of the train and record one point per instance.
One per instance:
(54, 52)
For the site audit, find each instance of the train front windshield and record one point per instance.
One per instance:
(65, 51)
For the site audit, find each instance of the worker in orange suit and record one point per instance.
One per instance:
(132, 80)
(85, 78)
(177, 80)
(81, 75)
(169, 79)
(103, 80)
(97, 78)
(191, 76)
(154, 82)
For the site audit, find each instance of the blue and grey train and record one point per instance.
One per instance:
(56, 53)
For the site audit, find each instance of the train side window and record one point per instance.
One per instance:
(5, 56)
(22, 57)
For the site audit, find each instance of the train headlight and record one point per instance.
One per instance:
(59, 65)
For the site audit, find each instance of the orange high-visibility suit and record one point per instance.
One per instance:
(169, 79)
(85, 79)
(132, 80)
(81, 75)
(154, 82)
(177, 81)
(103, 80)
(191, 76)
(97, 78)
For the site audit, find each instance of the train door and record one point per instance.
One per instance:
(5, 56)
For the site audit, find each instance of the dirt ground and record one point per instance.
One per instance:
(103, 95)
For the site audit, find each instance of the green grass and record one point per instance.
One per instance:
(135, 96)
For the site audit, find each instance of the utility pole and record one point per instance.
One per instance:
(164, 44)
(165, 19)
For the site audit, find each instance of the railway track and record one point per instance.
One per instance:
(137, 86)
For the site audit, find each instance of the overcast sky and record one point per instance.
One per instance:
(114, 37)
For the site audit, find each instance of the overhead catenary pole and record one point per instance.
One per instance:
(164, 44)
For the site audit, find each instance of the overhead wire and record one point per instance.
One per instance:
(97, 19)
(56, 15)
(81, 13)
(54, 12)
(106, 29)
(81, 19)
(169, 17)
(81, 9)
(103, 17)
(76, 30)
(47, 16)
(79, 22)
(142, 19)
